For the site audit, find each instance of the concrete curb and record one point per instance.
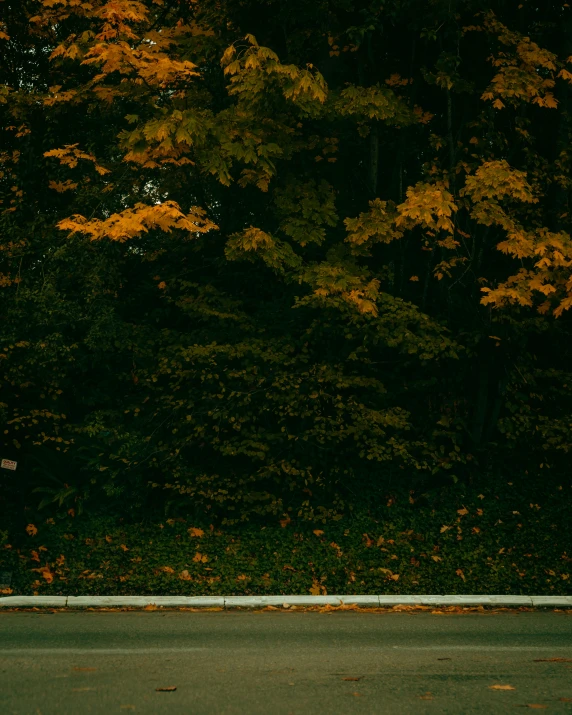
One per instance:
(228, 602)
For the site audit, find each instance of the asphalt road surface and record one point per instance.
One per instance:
(284, 662)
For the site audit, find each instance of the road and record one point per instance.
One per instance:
(277, 663)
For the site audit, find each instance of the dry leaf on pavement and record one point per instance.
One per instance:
(501, 687)
(427, 696)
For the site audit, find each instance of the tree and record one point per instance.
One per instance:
(292, 254)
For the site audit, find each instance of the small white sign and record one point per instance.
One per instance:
(8, 464)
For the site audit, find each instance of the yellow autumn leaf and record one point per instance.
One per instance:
(501, 687)
(195, 532)
(31, 530)
(318, 532)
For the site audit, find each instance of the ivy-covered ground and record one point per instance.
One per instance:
(507, 538)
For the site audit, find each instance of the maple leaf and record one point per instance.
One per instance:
(45, 572)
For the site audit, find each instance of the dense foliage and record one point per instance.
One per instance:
(504, 539)
(265, 258)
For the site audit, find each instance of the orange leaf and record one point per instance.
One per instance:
(31, 530)
(285, 521)
(463, 511)
(501, 687)
(460, 573)
(318, 532)
(185, 576)
(194, 531)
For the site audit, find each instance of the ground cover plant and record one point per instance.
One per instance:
(470, 542)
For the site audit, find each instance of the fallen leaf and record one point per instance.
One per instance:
(285, 521)
(35, 556)
(360, 678)
(167, 569)
(380, 541)
(427, 696)
(436, 558)
(31, 530)
(553, 660)
(193, 531)
(368, 541)
(46, 573)
(150, 607)
(185, 576)
(460, 573)
(167, 689)
(125, 548)
(318, 532)
(444, 528)
(109, 539)
(60, 560)
(501, 687)
(463, 512)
